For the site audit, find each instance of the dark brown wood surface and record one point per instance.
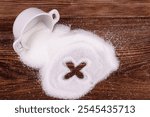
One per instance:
(126, 23)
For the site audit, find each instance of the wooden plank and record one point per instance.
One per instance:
(130, 36)
(75, 1)
(80, 8)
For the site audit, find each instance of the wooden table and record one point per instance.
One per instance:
(126, 23)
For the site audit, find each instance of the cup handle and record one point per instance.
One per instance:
(19, 46)
(55, 15)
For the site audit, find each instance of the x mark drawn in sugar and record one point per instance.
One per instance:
(75, 70)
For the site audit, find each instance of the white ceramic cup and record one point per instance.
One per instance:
(28, 19)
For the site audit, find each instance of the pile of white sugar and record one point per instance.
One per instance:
(51, 51)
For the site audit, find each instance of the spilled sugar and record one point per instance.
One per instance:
(50, 51)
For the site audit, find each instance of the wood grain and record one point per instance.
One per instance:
(126, 23)
(80, 8)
